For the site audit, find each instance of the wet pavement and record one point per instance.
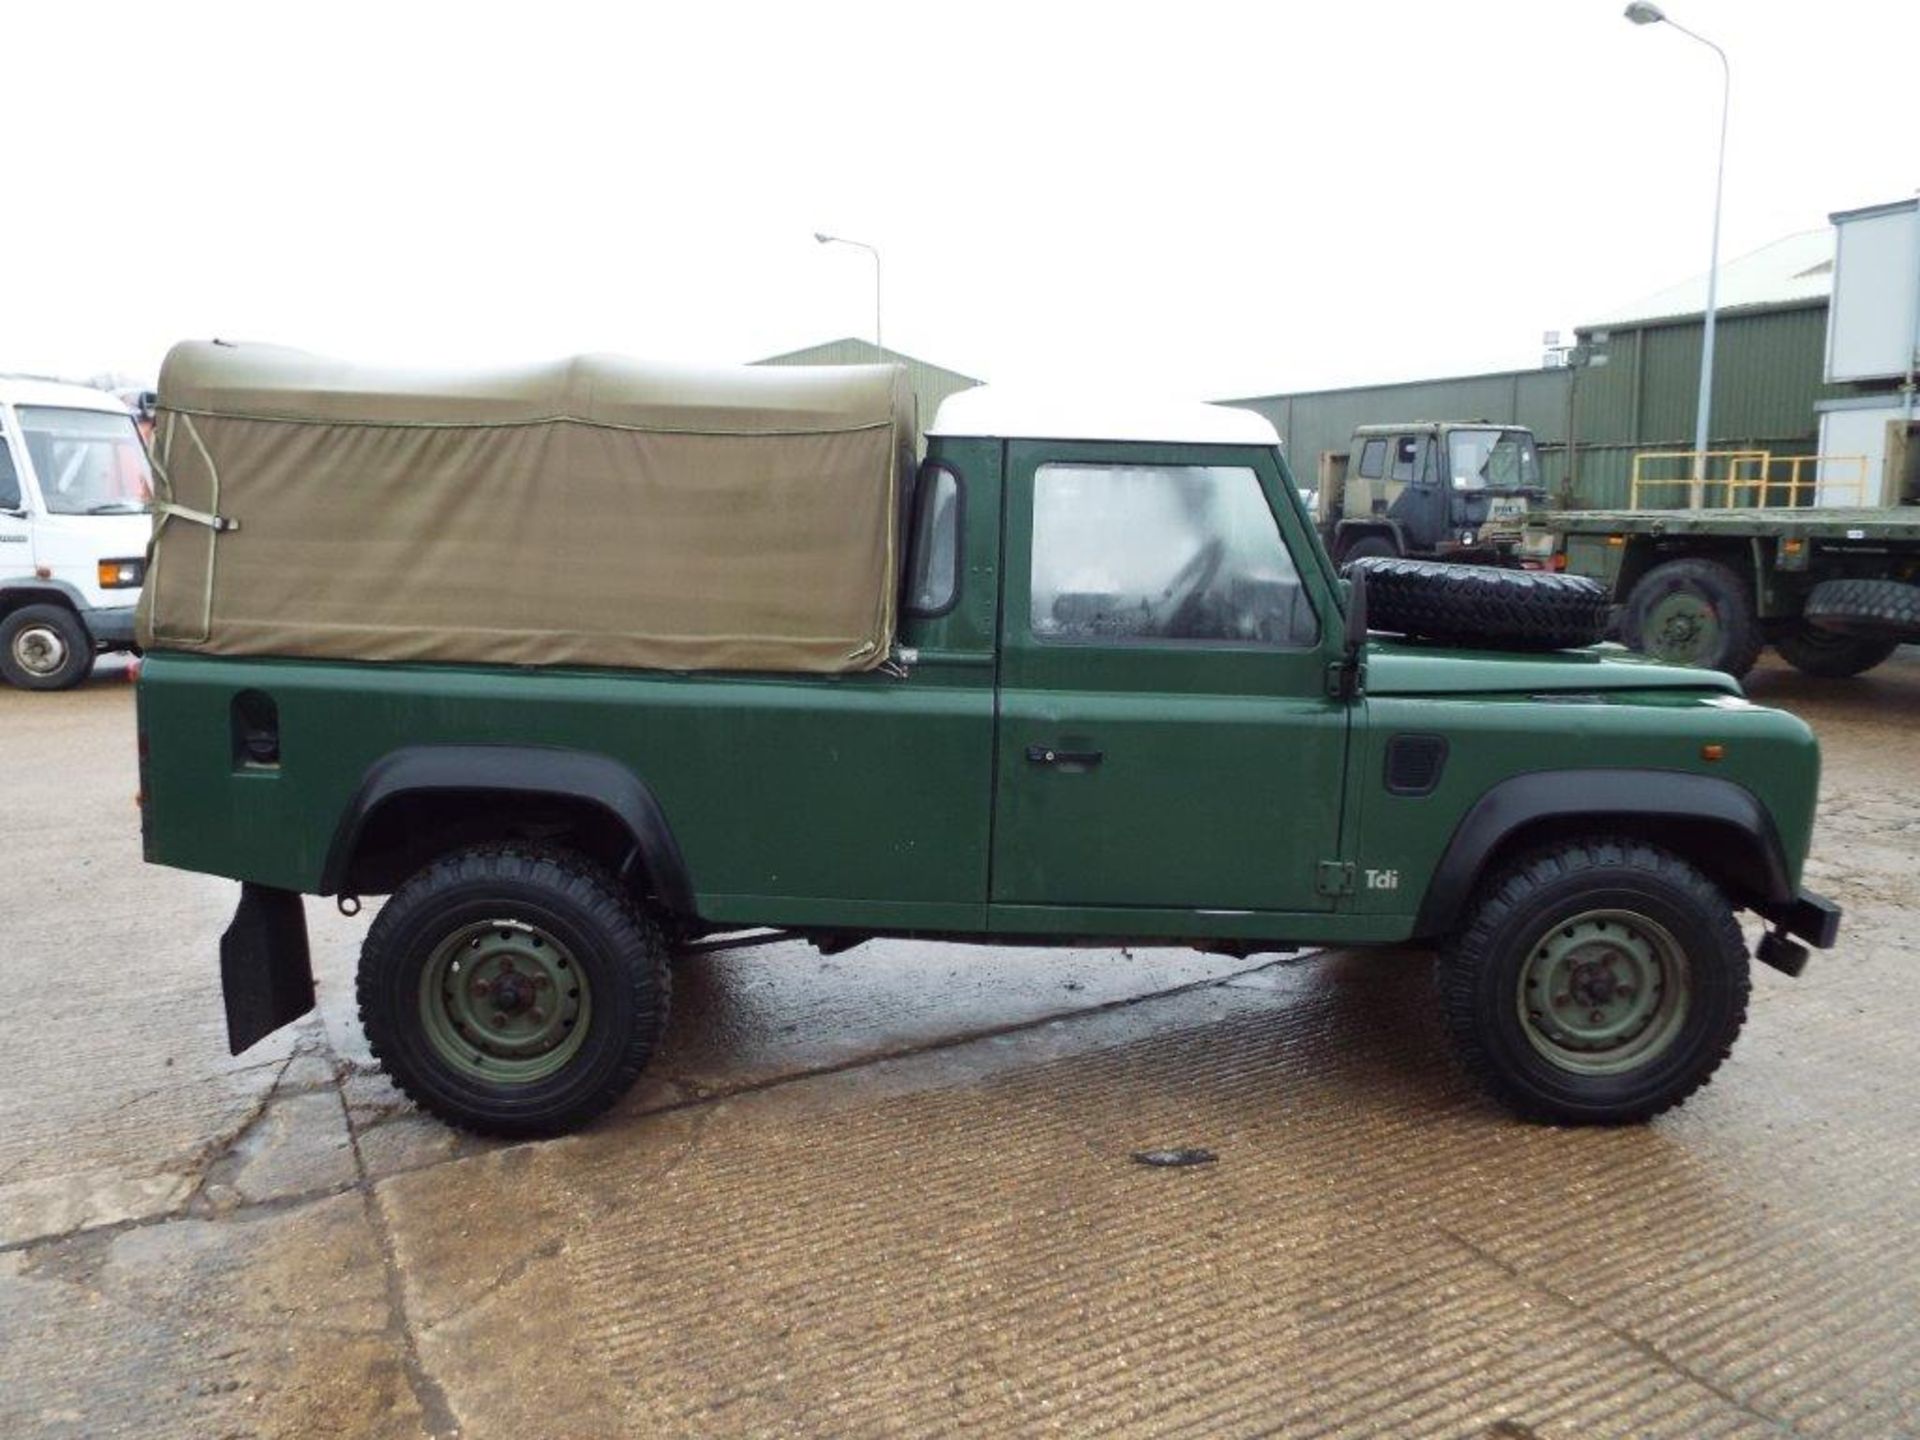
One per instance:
(892, 1192)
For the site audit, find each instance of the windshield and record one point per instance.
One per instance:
(89, 462)
(1493, 460)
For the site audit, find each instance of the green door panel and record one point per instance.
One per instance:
(1220, 765)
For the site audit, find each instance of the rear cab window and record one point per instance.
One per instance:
(933, 546)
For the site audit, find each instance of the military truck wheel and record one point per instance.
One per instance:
(44, 647)
(513, 990)
(1887, 608)
(1597, 982)
(1694, 612)
(1814, 651)
(1369, 545)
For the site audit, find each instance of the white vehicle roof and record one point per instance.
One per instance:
(1001, 414)
(18, 390)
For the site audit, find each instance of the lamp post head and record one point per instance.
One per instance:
(1640, 12)
(823, 239)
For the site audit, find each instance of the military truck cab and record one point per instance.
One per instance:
(1450, 490)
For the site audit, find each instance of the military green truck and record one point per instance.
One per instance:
(583, 665)
(1455, 490)
(1835, 591)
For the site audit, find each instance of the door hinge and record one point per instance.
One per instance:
(1334, 877)
(1345, 681)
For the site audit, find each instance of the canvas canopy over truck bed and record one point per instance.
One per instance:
(593, 511)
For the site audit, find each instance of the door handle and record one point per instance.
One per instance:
(1048, 755)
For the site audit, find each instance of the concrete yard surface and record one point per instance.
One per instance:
(893, 1192)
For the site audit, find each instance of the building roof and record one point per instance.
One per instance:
(849, 350)
(1793, 270)
(1005, 414)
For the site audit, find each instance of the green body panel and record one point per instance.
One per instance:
(1493, 737)
(1233, 781)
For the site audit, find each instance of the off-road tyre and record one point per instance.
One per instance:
(44, 647)
(1829, 655)
(1481, 972)
(1482, 606)
(1889, 609)
(1370, 547)
(1694, 612)
(612, 942)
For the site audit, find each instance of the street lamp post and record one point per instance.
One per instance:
(1640, 12)
(862, 245)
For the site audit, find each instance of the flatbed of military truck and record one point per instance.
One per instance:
(1830, 522)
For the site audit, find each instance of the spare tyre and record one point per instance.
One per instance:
(1888, 608)
(1481, 606)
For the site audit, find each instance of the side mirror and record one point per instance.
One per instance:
(1350, 672)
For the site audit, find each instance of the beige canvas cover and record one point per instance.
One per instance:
(592, 511)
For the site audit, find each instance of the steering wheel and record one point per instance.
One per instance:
(1191, 583)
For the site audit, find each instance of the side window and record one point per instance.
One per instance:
(1170, 553)
(9, 478)
(1427, 474)
(1373, 460)
(1405, 447)
(933, 576)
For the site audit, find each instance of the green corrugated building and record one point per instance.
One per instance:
(1632, 384)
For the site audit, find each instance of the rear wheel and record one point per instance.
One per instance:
(1889, 609)
(513, 991)
(1597, 982)
(1831, 656)
(1694, 612)
(44, 647)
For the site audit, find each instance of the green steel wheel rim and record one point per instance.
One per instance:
(504, 1002)
(1684, 627)
(1604, 992)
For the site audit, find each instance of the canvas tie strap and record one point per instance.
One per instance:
(166, 508)
(219, 524)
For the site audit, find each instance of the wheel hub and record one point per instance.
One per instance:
(1683, 627)
(1603, 992)
(504, 1001)
(40, 650)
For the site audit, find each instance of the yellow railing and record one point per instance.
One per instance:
(1745, 479)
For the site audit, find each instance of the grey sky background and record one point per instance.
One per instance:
(1200, 198)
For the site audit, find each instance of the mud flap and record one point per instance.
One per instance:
(266, 970)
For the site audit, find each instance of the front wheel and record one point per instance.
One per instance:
(513, 991)
(1597, 982)
(44, 647)
(1370, 546)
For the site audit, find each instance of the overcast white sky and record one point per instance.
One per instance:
(1204, 198)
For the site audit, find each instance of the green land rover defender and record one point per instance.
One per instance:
(584, 663)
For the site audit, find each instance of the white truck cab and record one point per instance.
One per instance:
(74, 491)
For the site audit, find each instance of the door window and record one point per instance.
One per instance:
(1404, 449)
(1162, 553)
(9, 478)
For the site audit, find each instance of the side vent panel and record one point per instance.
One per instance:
(1415, 763)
